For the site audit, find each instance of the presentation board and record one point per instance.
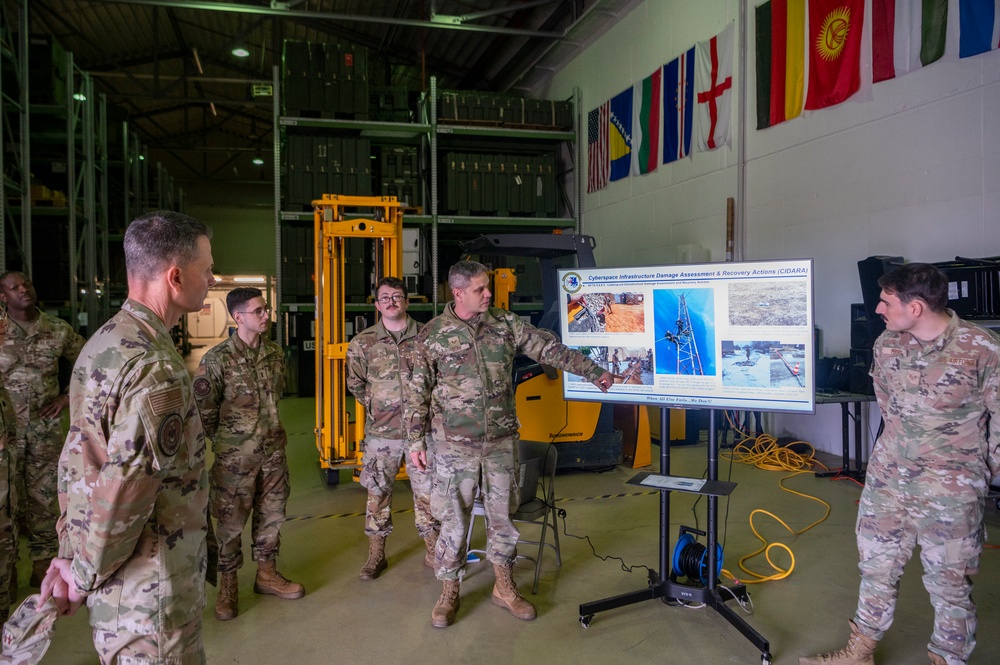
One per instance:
(713, 335)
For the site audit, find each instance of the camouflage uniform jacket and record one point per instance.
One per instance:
(936, 399)
(462, 374)
(133, 488)
(377, 369)
(8, 432)
(29, 363)
(238, 392)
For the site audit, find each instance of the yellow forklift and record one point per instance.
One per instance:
(337, 219)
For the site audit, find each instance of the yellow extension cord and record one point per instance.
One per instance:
(765, 453)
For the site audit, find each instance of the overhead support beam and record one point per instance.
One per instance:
(238, 8)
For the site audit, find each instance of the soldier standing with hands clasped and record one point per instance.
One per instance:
(463, 368)
(132, 482)
(379, 363)
(238, 385)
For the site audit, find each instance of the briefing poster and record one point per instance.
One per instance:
(714, 335)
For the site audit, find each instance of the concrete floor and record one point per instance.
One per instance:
(342, 619)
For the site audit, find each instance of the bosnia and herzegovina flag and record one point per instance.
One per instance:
(620, 134)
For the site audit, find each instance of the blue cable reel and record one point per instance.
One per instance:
(691, 558)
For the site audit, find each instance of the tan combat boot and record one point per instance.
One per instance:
(376, 562)
(431, 543)
(505, 593)
(38, 570)
(444, 611)
(227, 602)
(936, 659)
(272, 583)
(858, 651)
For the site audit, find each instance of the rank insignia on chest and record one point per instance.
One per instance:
(454, 343)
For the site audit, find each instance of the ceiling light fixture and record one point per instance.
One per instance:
(258, 161)
(240, 52)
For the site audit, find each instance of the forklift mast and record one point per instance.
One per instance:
(337, 218)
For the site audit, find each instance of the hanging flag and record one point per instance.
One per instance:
(678, 106)
(620, 135)
(979, 26)
(597, 148)
(780, 42)
(906, 35)
(714, 86)
(834, 51)
(646, 124)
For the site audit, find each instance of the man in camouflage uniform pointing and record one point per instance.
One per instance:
(463, 368)
(29, 363)
(133, 488)
(936, 379)
(238, 385)
(379, 363)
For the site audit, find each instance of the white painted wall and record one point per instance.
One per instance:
(908, 167)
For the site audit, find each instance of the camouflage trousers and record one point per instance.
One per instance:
(380, 466)
(37, 472)
(183, 646)
(461, 472)
(243, 484)
(949, 531)
(8, 533)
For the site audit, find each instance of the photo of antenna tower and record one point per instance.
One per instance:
(685, 331)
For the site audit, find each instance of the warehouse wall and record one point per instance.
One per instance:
(912, 168)
(242, 238)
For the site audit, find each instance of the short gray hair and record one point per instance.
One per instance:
(158, 239)
(463, 271)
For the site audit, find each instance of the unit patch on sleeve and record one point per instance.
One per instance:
(170, 433)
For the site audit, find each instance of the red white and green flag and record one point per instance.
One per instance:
(834, 48)
(646, 124)
(906, 35)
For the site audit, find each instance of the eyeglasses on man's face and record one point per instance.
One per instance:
(385, 300)
(259, 312)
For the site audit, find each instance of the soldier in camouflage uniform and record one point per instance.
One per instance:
(379, 362)
(463, 369)
(238, 385)
(29, 363)
(8, 493)
(133, 487)
(936, 379)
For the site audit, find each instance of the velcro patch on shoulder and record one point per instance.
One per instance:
(170, 434)
(202, 387)
(166, 401)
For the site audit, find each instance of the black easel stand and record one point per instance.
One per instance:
(660, 585)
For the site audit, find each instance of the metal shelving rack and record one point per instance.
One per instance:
(85, 138)
(428, 130)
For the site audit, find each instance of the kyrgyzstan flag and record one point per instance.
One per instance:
(979, 26)
(834, 51)
(646, 124)
(906, 35)
(780, 43)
